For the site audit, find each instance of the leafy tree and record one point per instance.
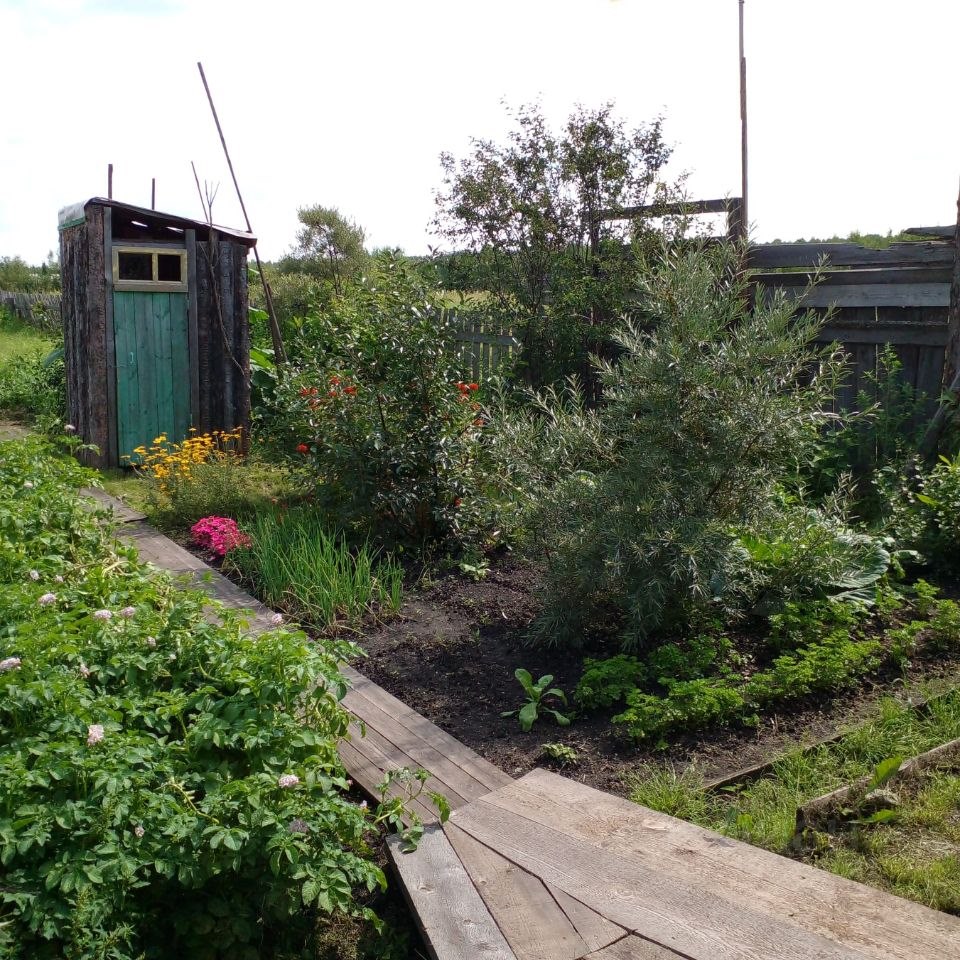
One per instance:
(329, 247)
(531, 211)
(636, 507)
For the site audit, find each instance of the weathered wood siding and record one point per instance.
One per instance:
(223, 335)
(898, 296)
(85, 332)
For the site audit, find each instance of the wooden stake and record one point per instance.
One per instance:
(744, 208)
(275, 335)
(153, 193)
(109, 181)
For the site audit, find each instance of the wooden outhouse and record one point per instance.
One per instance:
(156, 332)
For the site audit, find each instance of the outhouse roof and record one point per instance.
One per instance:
(75, 213)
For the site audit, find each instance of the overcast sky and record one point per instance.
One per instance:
(348, 103)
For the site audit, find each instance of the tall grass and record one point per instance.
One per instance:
(296, 564)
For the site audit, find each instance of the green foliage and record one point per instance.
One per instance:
(17, 276)
(698, 656)
(705, 414)
(528, 213)
(932, 522)
(607, 682)
(797, 552)
(688, 705)
(32, 380)
(329, 248)
(874, 443)
(378, 416)
(537, 693)
(297, 565)
(171, 785)
(560, 753)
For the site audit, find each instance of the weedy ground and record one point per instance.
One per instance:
(914, 855)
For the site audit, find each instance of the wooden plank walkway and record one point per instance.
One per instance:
(543, 868)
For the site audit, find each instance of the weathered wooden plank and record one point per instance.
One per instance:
(679, 912)
(527, 915)
(163, 383)
(632, 947)
(874, 923)
(920, 335)
(866, 276)
(110, 353)
(940, 233)
(455, 922)
(480, 769)
(873, 295)
(190, 237)
(180, 364)
(595, 930)
(930, 370)
(684, 208)
(399, 738)
(782, 255)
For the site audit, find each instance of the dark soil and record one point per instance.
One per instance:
(452, 653)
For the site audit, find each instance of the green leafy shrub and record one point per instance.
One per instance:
(34, 385)
(932, 524)
(379, 416)
(607, 682)
(688, 705)
(824, 666)
(802, 623)
(170, 786)
(298, 565)
(706, 412)
(700, 655)
(797, 552)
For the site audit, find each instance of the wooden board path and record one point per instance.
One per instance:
(543, 868)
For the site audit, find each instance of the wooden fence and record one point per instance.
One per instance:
(485, 346)
(40, 310)
(898, 296)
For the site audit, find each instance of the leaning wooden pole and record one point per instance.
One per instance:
(950, 395)
(275, 335)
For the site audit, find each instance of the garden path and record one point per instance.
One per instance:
(543, 868)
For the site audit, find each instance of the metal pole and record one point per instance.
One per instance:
(109, 181)
(744, 212)
(153, 193)
(278, 350)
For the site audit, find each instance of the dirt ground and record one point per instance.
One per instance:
(451, 656)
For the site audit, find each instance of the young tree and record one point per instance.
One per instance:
(531, 209)
(329, 247)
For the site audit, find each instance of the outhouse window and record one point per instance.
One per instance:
(149, 269)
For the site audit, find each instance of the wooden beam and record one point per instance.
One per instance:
(785, 255)
(873, 295)
(867, 275)
(686, 207)
(938, 233)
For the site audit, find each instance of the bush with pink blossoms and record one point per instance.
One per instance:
(219, 535)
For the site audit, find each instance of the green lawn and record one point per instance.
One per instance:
(18, 340)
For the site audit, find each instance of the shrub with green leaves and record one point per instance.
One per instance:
(607, 682)
(170, 786)
(932, 523)
(378, 413)
(708, 409)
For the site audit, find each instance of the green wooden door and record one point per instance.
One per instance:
(153, 368)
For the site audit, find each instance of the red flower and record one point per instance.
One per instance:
(350, 390)
(302, 448)
(334, 379)
(457, 502)
(304, 391)
(478, 422)
(332, 393)
(474, 386)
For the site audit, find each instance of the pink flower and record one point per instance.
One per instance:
(363, 804)
(128, 612)
(94, 734)
(151, 641)
(298, 826)
(10, 663)
(69, 428)
(58, 578)
(47, 599)
(103, 615)
(84, 670)
(138, 831)
(34, 575)
(288, 780)
(219, 535)
(276, 619)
